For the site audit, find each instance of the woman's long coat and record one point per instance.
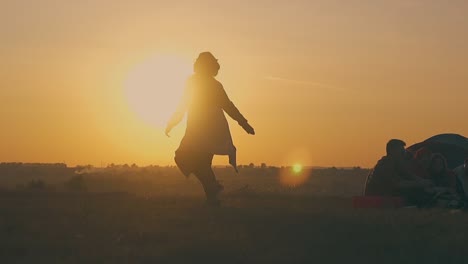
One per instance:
(207, 132)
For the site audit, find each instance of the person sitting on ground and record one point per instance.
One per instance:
(390, 177)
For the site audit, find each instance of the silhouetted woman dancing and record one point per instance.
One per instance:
(207, 133)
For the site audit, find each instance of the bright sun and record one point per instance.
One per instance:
(153, 87)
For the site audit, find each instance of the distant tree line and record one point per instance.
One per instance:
(35, 169)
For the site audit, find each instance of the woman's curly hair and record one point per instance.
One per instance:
(206, 64)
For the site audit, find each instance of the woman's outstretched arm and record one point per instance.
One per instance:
(179, 113)
(229, 107)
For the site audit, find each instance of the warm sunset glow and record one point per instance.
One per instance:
(154, 87)
(94, 82)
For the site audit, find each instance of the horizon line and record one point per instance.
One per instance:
(171, 165)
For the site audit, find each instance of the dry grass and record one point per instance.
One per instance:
(263, 223)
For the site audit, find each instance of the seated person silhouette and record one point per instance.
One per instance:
(391, 177)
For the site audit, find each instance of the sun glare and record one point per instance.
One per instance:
(153, 87)
(297, 168)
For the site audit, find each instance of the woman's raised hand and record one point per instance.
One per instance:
(248, 128)
(168, 130)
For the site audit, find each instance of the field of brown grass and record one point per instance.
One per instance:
(158, 216)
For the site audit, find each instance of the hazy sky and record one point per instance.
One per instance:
(323, 82)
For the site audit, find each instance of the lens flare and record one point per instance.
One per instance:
(298, 172)
(294, 176)
(297, 168)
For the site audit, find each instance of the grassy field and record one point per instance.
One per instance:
(163, 220)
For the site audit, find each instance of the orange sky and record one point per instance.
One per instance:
(323, 82)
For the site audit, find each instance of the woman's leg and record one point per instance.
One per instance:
(207, 178)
